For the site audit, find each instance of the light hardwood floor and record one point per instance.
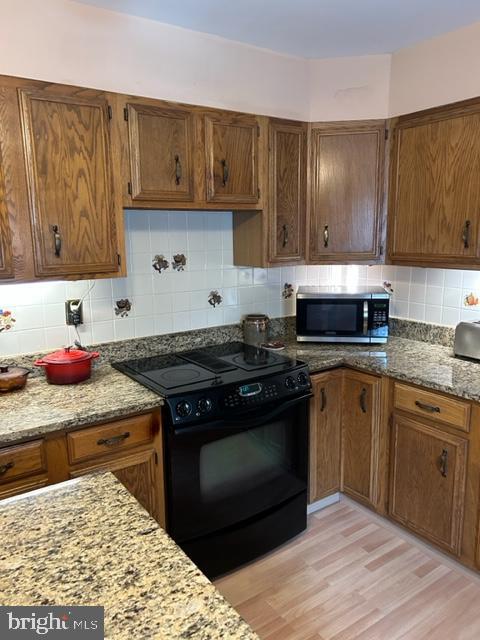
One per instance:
(352, 577)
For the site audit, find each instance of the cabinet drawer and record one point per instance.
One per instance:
(22, 460)
(455, 413)
(108, 438)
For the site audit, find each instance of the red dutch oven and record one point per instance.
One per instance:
(67, 366)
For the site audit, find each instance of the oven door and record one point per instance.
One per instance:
(333, 319)
(225, 472)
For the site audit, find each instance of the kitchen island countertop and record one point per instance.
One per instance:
(89, 542)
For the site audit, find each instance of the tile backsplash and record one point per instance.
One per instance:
(173, 301)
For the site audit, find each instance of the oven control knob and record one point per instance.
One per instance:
(184, 409)
(204, 405)
(302, 378)
(289, 382)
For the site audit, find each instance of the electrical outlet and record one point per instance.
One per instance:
(74, 312)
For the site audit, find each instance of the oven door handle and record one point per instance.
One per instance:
(243, 424)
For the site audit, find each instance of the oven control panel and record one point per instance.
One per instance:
(216, 403)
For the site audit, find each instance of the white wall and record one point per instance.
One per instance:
(437, 71)
(351, 88)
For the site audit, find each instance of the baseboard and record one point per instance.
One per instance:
(324, 502)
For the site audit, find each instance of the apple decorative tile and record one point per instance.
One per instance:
(214, 298)
(6, 320)
(471, 300)
(122, 307)
(179, 262)
(160, 263)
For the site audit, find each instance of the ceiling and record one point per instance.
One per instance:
(310, 28)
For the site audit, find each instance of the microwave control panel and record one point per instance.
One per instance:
(379, 317)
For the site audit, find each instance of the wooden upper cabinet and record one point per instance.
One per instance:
(70, 183)
(427, 484)
(435, 186)
(361, 436)
(6, 257)
(346, 199)
(161, 153)
(231, 152)
(287, 191)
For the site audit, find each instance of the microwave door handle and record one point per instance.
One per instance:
(365, 317)
(243, 422)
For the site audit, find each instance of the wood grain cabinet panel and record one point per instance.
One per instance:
(21, 460)
(231, 149)
(287, 191)
(6, 257)
(161, 153)
(325, 434)
(427, 483)
(435, 187)
(346, 199)
(140, 473)
(69, 176)
(361, 436)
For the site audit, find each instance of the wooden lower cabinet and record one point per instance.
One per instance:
(325, 434)
(138, 472)
(136, 460)
(361, 436)
(427, 483)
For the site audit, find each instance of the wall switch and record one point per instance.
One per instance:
(74, 312)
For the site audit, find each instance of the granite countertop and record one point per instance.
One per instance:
(89, 542)
(42, 408)
(421, 363)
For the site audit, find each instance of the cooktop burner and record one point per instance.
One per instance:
(179, 376)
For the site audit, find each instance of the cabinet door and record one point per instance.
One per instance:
(140, 474)
(325, 434)
(69, 175)
(427, 483)
(231, 157)
(161, 153)
(6, 257)
(435, 187)
(287, 160)
(346, 191)
(361, 436)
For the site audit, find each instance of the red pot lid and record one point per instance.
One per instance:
(67, 355)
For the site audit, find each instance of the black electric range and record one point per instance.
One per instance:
(219, 380)
(235, 449)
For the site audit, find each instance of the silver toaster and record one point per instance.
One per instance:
(467, 340)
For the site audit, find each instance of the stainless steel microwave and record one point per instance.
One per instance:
(342, 314)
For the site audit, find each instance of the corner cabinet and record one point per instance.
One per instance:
(434, 205)
(427, 484)
(325, 434)
(346, 191)
(287, 191)
(361, 436)
(231, 154)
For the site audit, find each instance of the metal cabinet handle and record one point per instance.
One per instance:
(427, 407)
(57, 238)
(325, 236)
(111, 442)
(466, 234)
(323, 396)
(178, 170)
(5, 467)
(225, 172)
(443, 463)
(363, 398)
(285, 235)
